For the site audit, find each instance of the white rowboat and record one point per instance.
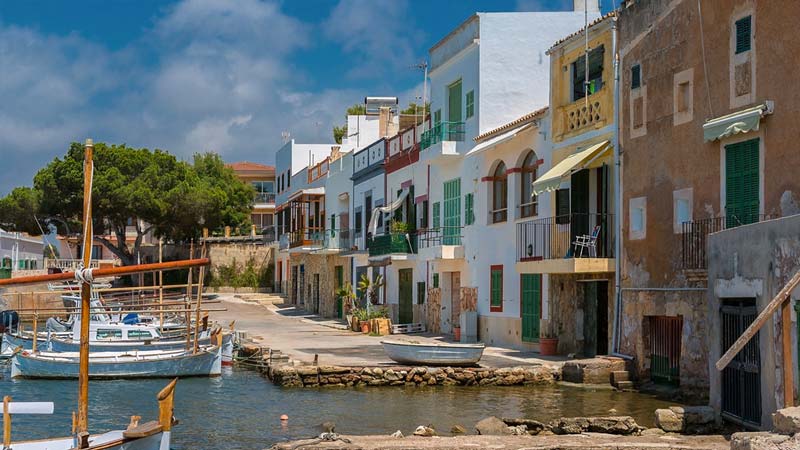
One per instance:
(435, 354)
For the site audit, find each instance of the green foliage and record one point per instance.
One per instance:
(237, 276)
(399, 227)
(172, 198)
(339, 133)
(347, 295)
(414, 109)
(17, 210)
(370, 288)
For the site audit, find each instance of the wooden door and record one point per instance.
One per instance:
(339, 282)
(531, 285)
(405, 296)
(455, 296)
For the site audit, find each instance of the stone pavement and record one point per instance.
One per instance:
(301, 336)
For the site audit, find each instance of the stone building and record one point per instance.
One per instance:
(708, 133)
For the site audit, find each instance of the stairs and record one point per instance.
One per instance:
(621, 379)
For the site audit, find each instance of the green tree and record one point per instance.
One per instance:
(414, 109)
(18, 210)
(339, 133)
(148, 191)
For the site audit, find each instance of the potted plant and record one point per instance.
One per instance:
(548, 340)
(363, 320)
(370, 288)
(379, 321)
(348, 303)
(457, 333)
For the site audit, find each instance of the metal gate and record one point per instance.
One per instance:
(665, 349)
(741, 380)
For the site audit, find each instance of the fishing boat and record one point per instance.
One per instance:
(207, 361)
(153, 435)
(433, 354)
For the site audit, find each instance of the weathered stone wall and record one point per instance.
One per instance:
(433, 315)
(754, 261)
(225, 254)
(469, 299)
(325, 267)
(334, 376)
(567, 308)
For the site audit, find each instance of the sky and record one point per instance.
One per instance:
(190, 76)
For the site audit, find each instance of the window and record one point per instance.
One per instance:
(288, 179)
(139, 334)
(469, 213)
(470, 104)
(437, 117)
(595, 74)
(743, 34)
(500, 194)
(562, 206)
(496, 288)
(636, 76)
(264, 186)
(358, 223)
(436, 212)
(683, 96)
(742, 183)
(454, 102)
(106, 334)
(528, 201)
(638, 218)
(420, 292)
(423, 215)
(436, 280)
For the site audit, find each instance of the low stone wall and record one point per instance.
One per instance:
(314, 376)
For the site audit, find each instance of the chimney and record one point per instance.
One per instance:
(591, 5)
(384, 120)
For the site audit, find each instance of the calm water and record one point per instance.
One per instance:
(241, 410)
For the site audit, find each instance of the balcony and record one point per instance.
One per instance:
(392, 243)
(547, 245)
(584, 114)
(695, 233)
(441, 243)
(443, 132)
(306, 238)
(264, 198)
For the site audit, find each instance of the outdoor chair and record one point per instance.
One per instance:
(587, 241)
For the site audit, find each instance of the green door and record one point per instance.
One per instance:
(741, 183)
(454, 102)
(452, 212)
(406, 314)
(339, 278)
(531, 295)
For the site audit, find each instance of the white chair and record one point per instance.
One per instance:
(587, 241)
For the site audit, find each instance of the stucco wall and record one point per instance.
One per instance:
(754, 261)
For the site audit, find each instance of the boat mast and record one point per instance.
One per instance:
(83, 376)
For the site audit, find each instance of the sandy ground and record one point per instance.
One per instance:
(301, 335)
(584, 441)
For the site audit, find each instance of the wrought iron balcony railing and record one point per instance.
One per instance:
(442, 131)
(694, 235)
(434, 237)
(555, 237)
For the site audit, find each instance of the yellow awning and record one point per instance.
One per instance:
(552, 179)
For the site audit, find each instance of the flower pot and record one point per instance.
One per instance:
(354, 324)
(548, 346)
(457, 334)
(365, 327)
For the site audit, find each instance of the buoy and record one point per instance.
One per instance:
(284, 417)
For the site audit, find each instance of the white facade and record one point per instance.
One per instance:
(18, 251)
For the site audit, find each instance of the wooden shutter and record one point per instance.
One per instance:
(436, 222)
(496, 287)
(531, 296)
(452, 212)
(454, 102)
(743, 33)
(469, 214)
(741, 183)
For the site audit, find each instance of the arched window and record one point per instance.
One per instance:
(499, 194)
(528, 201)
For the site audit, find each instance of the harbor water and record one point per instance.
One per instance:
(241, 409)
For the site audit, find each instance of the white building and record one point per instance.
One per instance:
(19, 251)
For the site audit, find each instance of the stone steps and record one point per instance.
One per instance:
(621, 379)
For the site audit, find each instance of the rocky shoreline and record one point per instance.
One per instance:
(335, 376)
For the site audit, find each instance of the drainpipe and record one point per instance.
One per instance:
(617, 200)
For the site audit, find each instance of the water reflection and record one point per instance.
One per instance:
(242, 410)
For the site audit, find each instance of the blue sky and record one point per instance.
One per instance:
(197, 75)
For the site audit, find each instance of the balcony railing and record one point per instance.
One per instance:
(694, 235)
(386, 244)
(555, 237)
(442, 131)
(583, 114)
(264, 197)
(434, 237)
(306, 237)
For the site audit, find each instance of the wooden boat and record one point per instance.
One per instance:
(435, 354)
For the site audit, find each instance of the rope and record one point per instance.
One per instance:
(84, 275)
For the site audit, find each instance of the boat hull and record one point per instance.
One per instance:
(433, 354)
(112, 440)
(114, 365)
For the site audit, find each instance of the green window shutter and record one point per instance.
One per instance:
(469, 216)
(743, 34)
(531, 295)
(470, 104)
(436, 223)
(437, 116)
(454, 102)
(496, 288)
(636, 76)
(436, 280)
(420, 292)
(452, 212)
(741, 182)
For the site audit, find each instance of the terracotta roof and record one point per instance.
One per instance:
(247, 165)
(513, 124)
(580, 32)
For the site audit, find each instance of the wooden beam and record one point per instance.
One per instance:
(763, 316)
(788, 362)
(6, 423)
(108, 272)
(86, 296)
